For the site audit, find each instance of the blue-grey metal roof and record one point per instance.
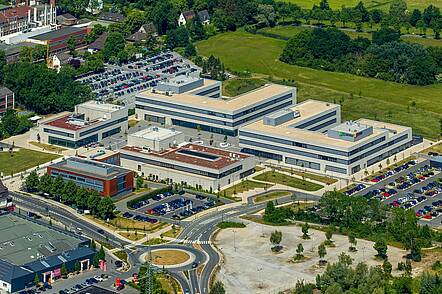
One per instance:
(57, 260)
(9, 272)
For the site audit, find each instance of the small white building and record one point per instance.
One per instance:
(155, 138)
(185, 17)
(91, 122)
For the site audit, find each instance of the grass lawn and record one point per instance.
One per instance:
(238, 86)
(121, 223)
(387, 101)
(169, 257)
(279, 178)
(133, 236)
(121, 255)
(242, 187)
(168, 283)
(22, 160)
(48, 147)
(173, 233)
(369, 4)
(322, 179)
(435, 148)
(271, 196)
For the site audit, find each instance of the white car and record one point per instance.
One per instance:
(199, 142)
(224, 144)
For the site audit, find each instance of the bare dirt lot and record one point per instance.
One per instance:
(251, 267)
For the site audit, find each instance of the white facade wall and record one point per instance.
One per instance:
(156, 144)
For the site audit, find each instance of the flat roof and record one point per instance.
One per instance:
(350, 127)
(96, 105)
(198, 155)
(23, 241)
(221, 104)
(310, 108)
(68, 122)
(97, 154)
(156, 133)
(90, 168)
(57, 33)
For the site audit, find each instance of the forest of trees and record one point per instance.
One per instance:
(384, 58)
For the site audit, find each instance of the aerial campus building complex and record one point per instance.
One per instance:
(270, 125)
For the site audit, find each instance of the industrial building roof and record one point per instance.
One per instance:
(200, 156)
(23, 240)
(91, 168)
(57, 33)
(220, 104)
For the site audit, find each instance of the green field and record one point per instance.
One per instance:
(238, 86)
(381, 4)
(279, 178)
(22, 160)
(285, 32)
(358, 96)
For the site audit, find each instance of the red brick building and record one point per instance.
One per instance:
(57, 40)
(110, 180)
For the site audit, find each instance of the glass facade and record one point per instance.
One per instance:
(73, 144)
(80, 180)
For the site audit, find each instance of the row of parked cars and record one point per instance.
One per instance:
(408, 201)
(431, 189)
(394, 171)
(430, 211)
(412, 178)
(357, 188)
(381, 194)
(141, 218)
(156, 197)
(88, 282)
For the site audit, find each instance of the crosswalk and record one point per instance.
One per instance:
(186, 241)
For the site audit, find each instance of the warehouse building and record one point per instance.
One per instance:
(29, 248)
(91, 122)
(189, 164)
(310, 135)
(197, 103)
(110, 180)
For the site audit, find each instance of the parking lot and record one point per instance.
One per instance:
(123, 82)
(414, 185)
(169, 207)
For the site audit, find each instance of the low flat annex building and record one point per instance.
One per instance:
(310, 135)
(155, 138)
(29, 248)
(198, 103)
(91, 122)
(190, 164)
(110, 180)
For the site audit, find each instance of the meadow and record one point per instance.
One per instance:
(370, 4)
(415, 106)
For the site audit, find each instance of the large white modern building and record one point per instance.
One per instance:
(198, 103)
(310, 135)
(91, 122)
(155, 138)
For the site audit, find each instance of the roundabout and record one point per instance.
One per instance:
(174, 257)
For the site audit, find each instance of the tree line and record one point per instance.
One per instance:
(385, 57)
(71, 194)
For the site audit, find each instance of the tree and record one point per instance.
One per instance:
(64, 271)
(32, 182)
(387, 267)
(275, 239)
(93, 202)
(106, 208)
(36, 280)
(113, 46)
(45, 183)
(398, 13)
(101, 254)
(57, 186)
(352, 240)
(329, 235)
(139, 182)
(386, 35)
(304, 230)
(322, 252)
(71, 45)
(77, 266)
(299, 251)
(416, 15)
(381, 247)
(189, 50)
(217, 288)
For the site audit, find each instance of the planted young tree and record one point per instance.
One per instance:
(77, 266)
(352, 240)
(36, 280)
(322, 253)
(299, 251)
(218, 288)
(64, 271)
(387, 268)
(275, 239)
(139, 182)
(304, 230)
(31, 182)
(328, 236)
(381, 247)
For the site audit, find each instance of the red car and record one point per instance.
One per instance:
(427, 216)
